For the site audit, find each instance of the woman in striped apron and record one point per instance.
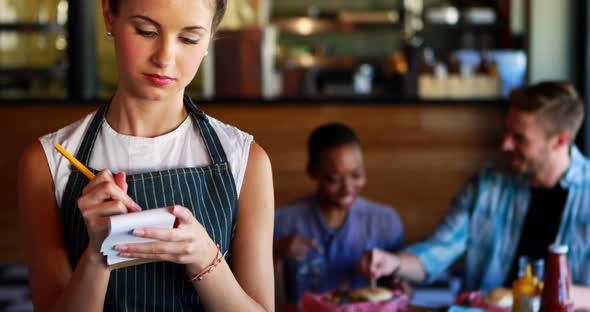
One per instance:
(211, 176)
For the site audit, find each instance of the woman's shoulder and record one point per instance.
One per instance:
(71, 131)
(375, 209)
(31, 156)
(227, 131)
(70, 137)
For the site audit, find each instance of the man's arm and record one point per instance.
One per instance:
(424, 261)
(449, 241)
(376, 263)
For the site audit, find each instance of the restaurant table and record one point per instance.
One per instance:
(289, 307)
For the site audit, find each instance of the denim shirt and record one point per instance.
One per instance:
(368, 225)
(486, 220)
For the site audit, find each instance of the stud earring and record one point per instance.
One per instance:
(109, 34)
(206, 53)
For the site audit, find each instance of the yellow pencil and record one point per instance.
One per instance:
(75, 162)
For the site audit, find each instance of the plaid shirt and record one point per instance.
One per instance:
(486, 220)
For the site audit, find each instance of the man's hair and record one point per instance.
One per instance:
(557, 104)
(329, 136)
(220, 6)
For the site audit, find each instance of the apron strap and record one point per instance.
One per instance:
(87, 145)
(211, 139)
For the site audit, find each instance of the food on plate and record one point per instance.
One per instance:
(370, 294)
(501, 297)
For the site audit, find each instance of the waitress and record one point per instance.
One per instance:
(165, 152)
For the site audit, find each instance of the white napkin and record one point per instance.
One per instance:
(121, 230)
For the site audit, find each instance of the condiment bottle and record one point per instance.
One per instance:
(525, 292)
(557, 288)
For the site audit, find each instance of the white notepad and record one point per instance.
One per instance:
(121, 232)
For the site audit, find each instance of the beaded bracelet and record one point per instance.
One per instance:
(210, 267)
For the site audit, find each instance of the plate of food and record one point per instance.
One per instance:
(367, 299)
(495, 300)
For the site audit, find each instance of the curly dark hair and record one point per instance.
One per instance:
(329, 136)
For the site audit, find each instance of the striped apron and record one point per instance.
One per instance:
(209, 192)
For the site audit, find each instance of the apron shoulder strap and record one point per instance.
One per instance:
(85, 150)
(211, 139)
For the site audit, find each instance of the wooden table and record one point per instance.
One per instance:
(411, 308)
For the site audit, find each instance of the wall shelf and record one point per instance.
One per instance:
(308, 25)
(50, 71)
(33, 27)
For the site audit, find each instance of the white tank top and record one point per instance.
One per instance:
(183, 147)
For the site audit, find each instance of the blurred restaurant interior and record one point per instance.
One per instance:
(423, 82)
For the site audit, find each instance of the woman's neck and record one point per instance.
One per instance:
(144, 118)
(334, 216)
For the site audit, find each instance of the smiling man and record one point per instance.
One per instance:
(540, 196)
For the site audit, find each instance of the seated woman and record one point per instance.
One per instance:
(320, 238)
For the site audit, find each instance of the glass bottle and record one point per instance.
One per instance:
(525, 292)
(557, 288)
(309, 274)
(363, 79)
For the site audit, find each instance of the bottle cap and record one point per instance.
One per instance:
(559, 249)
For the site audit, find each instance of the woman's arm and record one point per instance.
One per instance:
(251, 286)
(293, 247)
(55, 287)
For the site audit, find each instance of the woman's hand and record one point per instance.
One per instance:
(188, 243)
(376, 263)
(295, 247)
(403, 285)
(103, 197)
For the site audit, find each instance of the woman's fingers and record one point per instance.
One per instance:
(309, 243)
(183, 215)
(178, 252)
(105, 186)
(181, 244)
(300, 247)
(171, 248)
(101, 177)
(104, 209)
(120, 180)
(106, 191)
(155, 256)
(164, 234)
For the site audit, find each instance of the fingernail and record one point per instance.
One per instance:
(121, 247)
(136, 206)
(138, 232)
(125, 254)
